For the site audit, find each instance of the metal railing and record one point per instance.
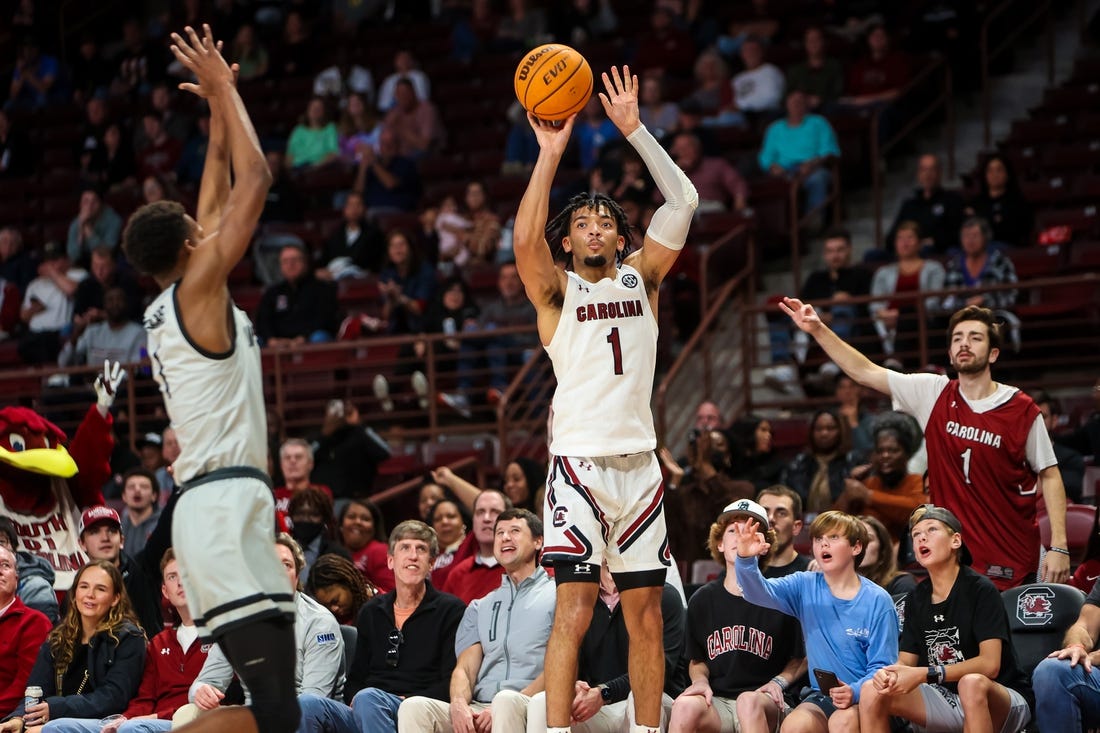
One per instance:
(910, 94)
(699, 353)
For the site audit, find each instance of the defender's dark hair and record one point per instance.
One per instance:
(154, 236)
(558, 227)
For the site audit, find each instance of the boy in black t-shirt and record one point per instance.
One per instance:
(956, 658)
(742, 656)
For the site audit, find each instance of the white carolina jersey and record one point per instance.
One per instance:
(215, 401)
(604, 353)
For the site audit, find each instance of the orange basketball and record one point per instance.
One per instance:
(553, 81)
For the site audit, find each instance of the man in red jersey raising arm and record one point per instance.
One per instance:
(988, 450)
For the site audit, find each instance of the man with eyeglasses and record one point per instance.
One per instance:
(406, 643)
(500, 644)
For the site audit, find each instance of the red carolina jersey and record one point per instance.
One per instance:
(977, 468)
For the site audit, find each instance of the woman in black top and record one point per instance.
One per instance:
(91, 664)
(1002, 204)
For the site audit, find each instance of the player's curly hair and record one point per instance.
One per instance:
(557, 228)
(333, 570)
(154, 236)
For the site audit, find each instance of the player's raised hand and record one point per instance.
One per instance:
(750, 541)
(552, 137)
(621, 100)
(203, 58)
(803, 314)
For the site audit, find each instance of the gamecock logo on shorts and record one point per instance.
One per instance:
(1034, 608)
(560, 516)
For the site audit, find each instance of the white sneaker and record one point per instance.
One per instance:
(781, 377)
(420, 386)
(382, 392)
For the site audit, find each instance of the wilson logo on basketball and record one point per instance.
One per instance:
(529, 62)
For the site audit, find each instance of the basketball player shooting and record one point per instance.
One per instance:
(597, 321)
(207, 363)
(989, 453)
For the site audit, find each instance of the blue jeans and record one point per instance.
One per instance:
(93, 725)
(1066, 698)
(375, 710)
(816, 187)
(372, 711)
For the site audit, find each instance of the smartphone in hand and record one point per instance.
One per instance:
(826, 680)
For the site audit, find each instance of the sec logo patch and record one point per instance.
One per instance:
(630, 280)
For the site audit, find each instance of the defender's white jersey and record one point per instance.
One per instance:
(604, 353)
(215, 401)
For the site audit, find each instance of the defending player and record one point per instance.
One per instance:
(207, 362)
(598, 324)
(987, 445)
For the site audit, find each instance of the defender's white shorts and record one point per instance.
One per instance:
(223, 533)
(608, 507)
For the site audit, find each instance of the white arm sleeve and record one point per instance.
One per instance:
(670, 223)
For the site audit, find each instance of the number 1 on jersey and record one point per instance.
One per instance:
(966, 463)
(616, 349)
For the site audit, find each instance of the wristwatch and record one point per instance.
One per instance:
(605, 694)
(933, 674)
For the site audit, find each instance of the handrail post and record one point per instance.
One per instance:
(949, 123)
(983, 52)
(1050, 42)
(876, 180)
(795, 231)
(748, 354)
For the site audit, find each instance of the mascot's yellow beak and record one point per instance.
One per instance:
(46, 461)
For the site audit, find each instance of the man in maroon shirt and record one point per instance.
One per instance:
(720, 186)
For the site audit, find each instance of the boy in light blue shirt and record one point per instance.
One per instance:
(849, 623)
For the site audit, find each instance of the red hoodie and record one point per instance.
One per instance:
(168, 676)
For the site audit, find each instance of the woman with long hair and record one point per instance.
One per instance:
(363, 531)
(406, 284)
(1001, 202)
(752, 452)
(313, 141)
(818, 473)
(336, 584)
(880, 560)
(91, 664)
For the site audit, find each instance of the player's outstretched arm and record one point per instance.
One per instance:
(669, 226)
(215, 184)
(851, 362)
(541, 278)
(210, 264)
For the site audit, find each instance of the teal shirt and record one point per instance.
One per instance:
(309, 146)
(790, 146)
